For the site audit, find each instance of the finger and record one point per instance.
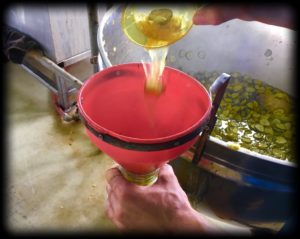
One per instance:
(109, 210)
(108, 188)
(115, 179)
(111, 173)
(166, 176)
(110, 213)
(115, 201)
(166, 171)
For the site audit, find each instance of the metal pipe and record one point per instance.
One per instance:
(36, 55)
(93, 27)
(38, 75)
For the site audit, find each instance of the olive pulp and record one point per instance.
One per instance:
(255, 115)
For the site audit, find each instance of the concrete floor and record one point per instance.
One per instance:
(55, 174)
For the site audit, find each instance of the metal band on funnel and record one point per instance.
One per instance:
(139, 146)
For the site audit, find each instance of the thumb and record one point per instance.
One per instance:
(114, 177)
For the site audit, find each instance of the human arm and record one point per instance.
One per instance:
(214, 14)
(163, 207)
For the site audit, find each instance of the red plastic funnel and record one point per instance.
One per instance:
(125, 122)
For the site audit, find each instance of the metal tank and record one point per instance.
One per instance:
(239, 185)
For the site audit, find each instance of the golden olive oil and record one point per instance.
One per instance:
(155, 28)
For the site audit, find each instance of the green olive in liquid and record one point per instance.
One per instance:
(255, 115)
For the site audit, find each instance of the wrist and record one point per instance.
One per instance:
(191, 221)
(188, 220)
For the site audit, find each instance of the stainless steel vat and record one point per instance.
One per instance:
(244, 186)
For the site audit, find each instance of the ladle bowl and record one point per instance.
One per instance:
(154, 26)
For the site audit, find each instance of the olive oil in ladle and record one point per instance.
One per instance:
(155, 28)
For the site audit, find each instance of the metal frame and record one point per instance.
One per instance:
(60, 85)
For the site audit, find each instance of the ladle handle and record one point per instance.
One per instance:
(218, 88)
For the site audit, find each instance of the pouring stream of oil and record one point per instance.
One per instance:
(155, 29)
